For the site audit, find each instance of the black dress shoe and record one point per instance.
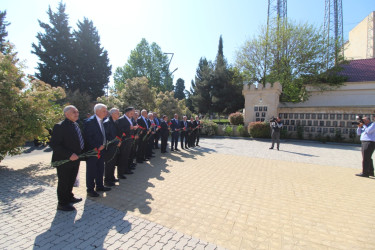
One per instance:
(133, 164)
(92, 194)
(103, 189)
(66, 207)
(122, 176)
(177, 149)
(109, 184)
(75, 200)
(362, 175)
(115, 180)
(163, 152)
(172, 149)
(271, 148)
(139, 161)
(129, 172)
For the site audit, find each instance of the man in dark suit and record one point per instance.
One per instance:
(184, 132)
(192, 128)
(125, 130)
(164, 133)
(94, 134)
(143, 125)
(175, 128)
(67, 143)
(157, 134)
(197, 124)
(135, 140)
(112, 153)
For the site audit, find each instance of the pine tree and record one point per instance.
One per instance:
(55, 50)
(3, 32)
(92, 64)
(179, 89)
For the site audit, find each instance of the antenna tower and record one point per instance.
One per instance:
(333, 31)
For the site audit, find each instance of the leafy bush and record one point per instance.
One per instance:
(209, 127)
(241, 130)
(228, 130)
(259, 130)
(236, 118)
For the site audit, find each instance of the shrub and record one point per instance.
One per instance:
(300, 132)
(209, 127)
(236, 118)
(241, 130)
(259, 130)
(228, 130)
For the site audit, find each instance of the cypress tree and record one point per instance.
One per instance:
(179, 89)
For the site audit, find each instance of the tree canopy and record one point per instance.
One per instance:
(179, 90)
(148, 61)
(293, 54)
(3, 31)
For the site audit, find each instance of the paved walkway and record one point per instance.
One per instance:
(229, 193)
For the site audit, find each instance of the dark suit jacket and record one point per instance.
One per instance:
(175, 125)
(92, 134)
(110, 129)
(142, 123)
(123, 126)
(164, 132)
(64, 141)
(182, 125)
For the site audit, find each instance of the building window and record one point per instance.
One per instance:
(319, 129)
(339, 116)
(290, 128)
(334, 123)
(320, 116)
(307, 116)
(346, 116)
(342, 124)
(262, 119)
(352, 117)
(260, 108)
(313, 116)
(265, 108)
(325, 130)
(321, 123)
(298, 122)
(301, 116)
(257, 114)
(295, 116)
(312, 129)
(328, 123)
(332, 116)
(257, 120)
(332, 130)
(290, 116)
(349, 124)
(345, 131)
(255, 108)
(285, 116)
(292, 122)
(325, 116)
(309, 123)
(263, 114)
(303, 122)
(286, 122)
(307, 129)
(316, 123)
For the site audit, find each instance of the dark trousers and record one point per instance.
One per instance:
(141, 149)
(156, 139)
(368, 148)
(150, 145)
(192, 139)
(196, 135)
(275, 138)
(133, 151)
(174, 139)
(94, 173)
(164, 141)
(184, 139)
(111, 159)
(123, 163)
(66, 175)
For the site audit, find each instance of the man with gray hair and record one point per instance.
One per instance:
(67, 143)
(95, 138)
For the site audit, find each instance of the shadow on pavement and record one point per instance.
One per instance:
(89, 231)
(309, 155)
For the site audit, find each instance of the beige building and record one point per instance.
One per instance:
(328, 113)
(361, 40)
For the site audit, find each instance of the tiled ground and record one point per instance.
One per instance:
(234, 193)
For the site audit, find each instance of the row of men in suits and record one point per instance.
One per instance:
(131, 138)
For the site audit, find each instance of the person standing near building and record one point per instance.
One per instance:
(175, 128)
(276, 126)
(67, 143)
(366, 129)
(164, 133)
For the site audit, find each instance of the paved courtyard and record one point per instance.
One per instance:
(228, 193)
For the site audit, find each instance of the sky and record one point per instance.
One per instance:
(188, 28)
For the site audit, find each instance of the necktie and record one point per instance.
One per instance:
(185, 124)
(81, 143)
(103, 132)
(146, 122)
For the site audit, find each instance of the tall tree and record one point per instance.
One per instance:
(149, 61)
(179, 90)
(202, 97)
(295, 61)
(92, 69)
(3, 31)
(55, 50)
